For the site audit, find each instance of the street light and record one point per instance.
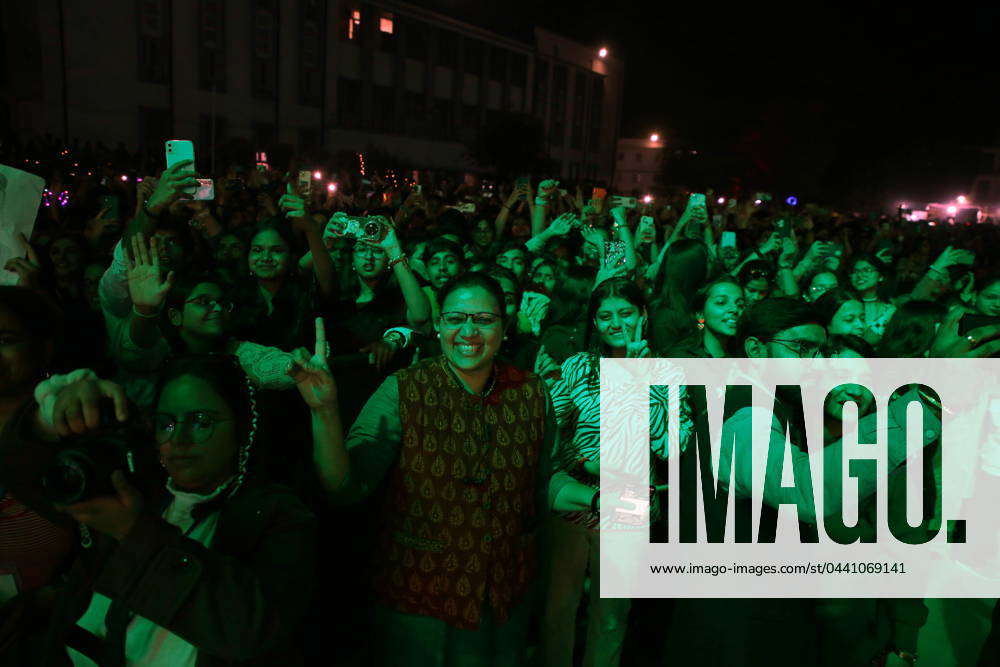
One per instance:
(962, 200)
(603, 53)
(654, 137)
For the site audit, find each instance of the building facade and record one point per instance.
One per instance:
(638, 164)
(344, 75)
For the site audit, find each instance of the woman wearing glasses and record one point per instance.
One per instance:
(178, 316)
(789, 632)
(214, 567)
(867, 275)
(463, 441)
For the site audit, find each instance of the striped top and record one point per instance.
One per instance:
(32, 549)
(577, 405)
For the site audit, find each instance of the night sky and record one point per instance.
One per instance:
(845, 100)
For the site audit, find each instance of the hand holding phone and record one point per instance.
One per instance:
(728, 240)
(625, 202)
(181, 150)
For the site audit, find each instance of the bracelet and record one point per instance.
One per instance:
(906, 656)
(594, 501)
(135, 311)
(541, 201)
(400, 258)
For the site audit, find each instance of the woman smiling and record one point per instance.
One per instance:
(464, 441)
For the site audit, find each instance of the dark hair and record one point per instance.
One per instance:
(41, 318)
(911, 329)
(767, 317)
(570, 296)
(534, 269)
(226, 377)
(444, 245)
(701, 296)
(497, 272)
(988, 281)
(683, 271)
(756, 269)
(614, 287)
(839, 342)
(513, 245)
(281, 230)
(473, 279)
(827, 305)
(880, 266)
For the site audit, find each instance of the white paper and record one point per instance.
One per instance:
(20, 195)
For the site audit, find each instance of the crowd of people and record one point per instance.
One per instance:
(360, 412)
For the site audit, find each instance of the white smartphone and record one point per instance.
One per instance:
(627, 202)
(728, 240)
(206, 190)
(697, 199)
(179, 150)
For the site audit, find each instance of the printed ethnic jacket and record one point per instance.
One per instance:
(466, 495)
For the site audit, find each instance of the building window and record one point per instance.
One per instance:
(596, 113)
(153, 41)
(310, 43)
(518, 70)
(444, 119)
(349, 92)
(447, 48)
(579, 108)
(414, 34)
(498, 64)
(308, 138)
(385, 24)
(211, 45)
(560, 78)
(384, 116)
(354, 24)
(541, 97)
(210, 132)
(473, 57)
(154, 127)
(263, 135)
(263, 69)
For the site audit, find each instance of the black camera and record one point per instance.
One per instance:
(82, 470)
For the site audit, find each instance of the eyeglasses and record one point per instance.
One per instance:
(455, 319)
(803, 349)
(200, 425)
(864, 271)
(760, 274)
(207, 302)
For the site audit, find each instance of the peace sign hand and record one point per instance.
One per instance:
(637, 347)
(312, 374)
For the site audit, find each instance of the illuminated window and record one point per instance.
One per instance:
(354, 24)
(385, 24)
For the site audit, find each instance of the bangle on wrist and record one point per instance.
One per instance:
(137, 313)
(906, 656)
(541, 201)
(400, 258)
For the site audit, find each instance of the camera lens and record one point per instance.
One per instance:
(373, 230)
(68, 481)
